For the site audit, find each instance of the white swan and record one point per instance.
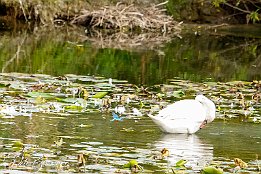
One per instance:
(186, 116)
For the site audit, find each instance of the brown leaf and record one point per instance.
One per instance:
(165, 152)
(81, 160)
(240, 163)
(59, 142)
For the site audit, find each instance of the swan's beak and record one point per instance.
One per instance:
(203, 124)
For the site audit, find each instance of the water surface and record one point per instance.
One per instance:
(108, 141)
(205, 57)
(208, 56)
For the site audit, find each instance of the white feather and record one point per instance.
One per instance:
(185, 116)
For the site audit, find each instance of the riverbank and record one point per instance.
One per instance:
(121, 25)
(120, 16)
(44, 12)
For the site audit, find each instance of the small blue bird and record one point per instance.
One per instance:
(116, 117)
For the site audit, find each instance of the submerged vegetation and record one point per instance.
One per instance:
(31, 95)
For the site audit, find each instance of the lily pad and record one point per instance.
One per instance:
(39, 94)
(100, 94)
(212, 170)
(181, 163)
(178, 94)
(70, 100)
(130, 164)
(18, 144)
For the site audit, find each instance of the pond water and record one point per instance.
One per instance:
(208, 56)
(113, 147)
(193, 63)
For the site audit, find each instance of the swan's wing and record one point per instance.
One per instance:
(191, 110)
(177, 125)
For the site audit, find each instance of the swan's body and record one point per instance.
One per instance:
(185, 116)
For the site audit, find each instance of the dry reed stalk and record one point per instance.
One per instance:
(153, 26)
(122, 17)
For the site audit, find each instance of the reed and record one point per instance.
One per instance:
(120, 17)
(44, 11)
(129, 17)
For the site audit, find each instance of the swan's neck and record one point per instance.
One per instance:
(211, 110)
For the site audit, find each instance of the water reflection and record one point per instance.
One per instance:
(115, 147)
(56, 52)
(186, 147)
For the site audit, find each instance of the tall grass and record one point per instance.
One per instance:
(45, 11)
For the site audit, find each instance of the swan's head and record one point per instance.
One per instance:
(209, 105)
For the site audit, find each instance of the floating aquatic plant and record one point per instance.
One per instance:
(133, 166)
(212, 170)
(33, 94)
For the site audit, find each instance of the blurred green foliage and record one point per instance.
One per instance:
(59, 51)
